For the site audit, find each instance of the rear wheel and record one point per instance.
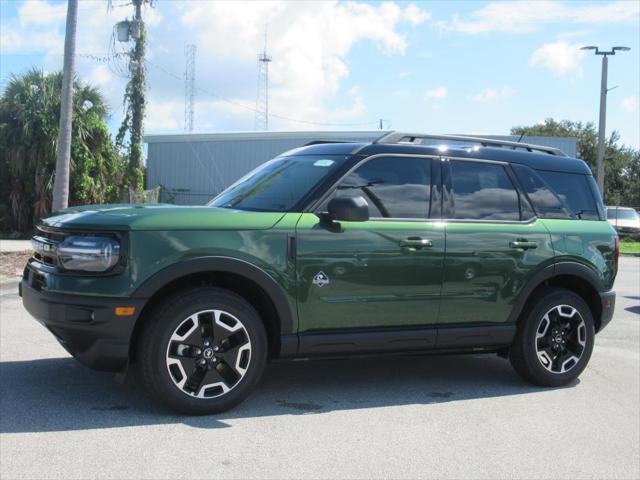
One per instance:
(202, 351)
(555, 338)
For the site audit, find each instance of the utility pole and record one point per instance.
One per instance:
(189, 86)
(61, 180)
(138, 87)
(603, 109)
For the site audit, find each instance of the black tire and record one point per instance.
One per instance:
(526, 347)
(155, 342)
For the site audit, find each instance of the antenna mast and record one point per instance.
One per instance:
(262, 97)
(189, 86)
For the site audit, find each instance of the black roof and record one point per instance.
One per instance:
(538, 161)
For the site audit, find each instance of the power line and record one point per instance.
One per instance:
(113, 58)
(371, 123)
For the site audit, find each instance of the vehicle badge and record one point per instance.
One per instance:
(321, 279)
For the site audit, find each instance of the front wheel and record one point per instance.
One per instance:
(554, 339)
(202, 351)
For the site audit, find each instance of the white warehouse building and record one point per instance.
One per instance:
(190, 169)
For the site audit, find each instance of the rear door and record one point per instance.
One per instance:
(385, 272)
(494, 242)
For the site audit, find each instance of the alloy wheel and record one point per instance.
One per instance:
(561, 338)
(208, 354)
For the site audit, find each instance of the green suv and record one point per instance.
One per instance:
(335, 249)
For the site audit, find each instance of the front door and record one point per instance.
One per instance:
(381, 273)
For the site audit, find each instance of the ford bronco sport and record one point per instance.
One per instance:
(334, 249)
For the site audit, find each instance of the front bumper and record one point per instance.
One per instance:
(608, 300)
(86, 327)
(631, 231)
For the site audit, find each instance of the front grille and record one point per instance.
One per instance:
(45, 245)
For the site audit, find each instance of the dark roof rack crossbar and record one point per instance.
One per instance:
(416, 138)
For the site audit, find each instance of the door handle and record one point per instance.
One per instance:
(416, 243)
(523, 244)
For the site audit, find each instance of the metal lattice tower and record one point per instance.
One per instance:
(262, 97)
(189, 86)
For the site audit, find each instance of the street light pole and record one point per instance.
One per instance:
(602, 124)
(603, 110)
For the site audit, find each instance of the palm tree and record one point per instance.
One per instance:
(29, 113)
(61, 183)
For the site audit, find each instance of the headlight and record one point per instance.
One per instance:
(90, 254)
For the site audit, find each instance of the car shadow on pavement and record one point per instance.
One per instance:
(59, 394)
(634, 308)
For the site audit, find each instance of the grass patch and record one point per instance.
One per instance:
(629, 246)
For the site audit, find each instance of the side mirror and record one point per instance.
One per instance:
(348, 209)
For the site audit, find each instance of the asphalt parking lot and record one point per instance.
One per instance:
(399, 417)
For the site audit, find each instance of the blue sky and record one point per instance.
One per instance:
(440, 67)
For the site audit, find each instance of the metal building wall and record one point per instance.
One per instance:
(193, 168)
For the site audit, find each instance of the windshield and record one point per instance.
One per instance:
(613, 213)
(278, 185)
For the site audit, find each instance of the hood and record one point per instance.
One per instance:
(160, 217)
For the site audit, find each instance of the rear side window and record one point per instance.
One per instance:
(546, 203)
(575, 192)
(483, 191)
(394, 187)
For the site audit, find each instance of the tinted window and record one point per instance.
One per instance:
(278, 185)
(483, 191)
(546, 203)
(394, 187)
(614, 213)
(575, 192)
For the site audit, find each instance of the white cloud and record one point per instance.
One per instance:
(436, 93)
(529, 16)
(415, 15)
(492, 94)
(40, 12)
(99, 76)
(164, 115)
(309, 43)
(630, 104)
(10, 40)
(561, 57)
(400, 93)
(404, 74)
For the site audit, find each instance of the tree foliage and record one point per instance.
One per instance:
(621, 163)
(134, 105)
(29, 113)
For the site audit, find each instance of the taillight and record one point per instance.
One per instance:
(616, 252)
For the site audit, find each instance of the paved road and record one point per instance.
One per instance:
(403, 417)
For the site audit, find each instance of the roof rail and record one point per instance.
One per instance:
(324, 142)
(416, 138)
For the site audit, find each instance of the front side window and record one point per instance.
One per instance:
(575, 192)
(483, 191)
(280, 184)
(394, 187)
